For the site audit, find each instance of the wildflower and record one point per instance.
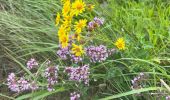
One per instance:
(66, 8)
(80, 74)
(67, 23)
(57, 19)
(136, 81)
(61, 31)
(21, 84)
(64, 40)
(51, 73)
(120, 44)
(77, 50)
(91, 26)
(74, 96)
(67, 20)
(12, 83)
(167, 97)
(63, 53)
(90, 7)
(99, 21)
(32, 63)
(80, 25)
(78, 6)
(76, 59)
(97, 54)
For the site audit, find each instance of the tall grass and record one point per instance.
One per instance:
(27, 29)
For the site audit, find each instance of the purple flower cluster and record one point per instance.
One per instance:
(167, 97)
(76, 59)
(136, 82)
(51, 73)
(32, 63)
(19, 85)
(80, 74)
(74, 96)
(97, 53)
(97, 22)
(63, 53)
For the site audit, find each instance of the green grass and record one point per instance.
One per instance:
(27, 29)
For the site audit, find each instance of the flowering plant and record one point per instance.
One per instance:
(74, 48)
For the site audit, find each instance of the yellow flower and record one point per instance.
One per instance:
(64, 40)
(61, 31)
(66, 8)
(67, 20)
(77, 50)
(120, 44)
(78, 6)
(57, 20)
(79, 25)
(90, 7)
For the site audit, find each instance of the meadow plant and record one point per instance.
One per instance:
(32, 63)
(74, 96)
(20, 84)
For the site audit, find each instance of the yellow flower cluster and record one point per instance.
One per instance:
(64, 19)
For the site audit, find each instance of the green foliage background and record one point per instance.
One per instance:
(27, 29)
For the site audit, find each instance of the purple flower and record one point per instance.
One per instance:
(76, 59)
(97, 54)
(32, 63)
(99, 21)
(167, 97)
(80, 74)
(74, 96)
(51, 73)
(137, 80)
(63, 53)
(12, 83)
(91, 26)
(24, 84)
(19, 85)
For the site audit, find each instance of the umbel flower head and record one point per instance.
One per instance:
(77, 50)
(97, 53)
(120, 44)
(32, 63)
(78, 7)
(51, 73)
(63, 53)
(80, 74)
(20, 84)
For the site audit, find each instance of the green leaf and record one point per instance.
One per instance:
(130, 93)
(40, 94)
(5, 96)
